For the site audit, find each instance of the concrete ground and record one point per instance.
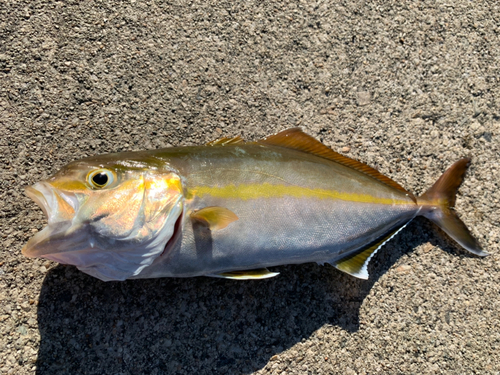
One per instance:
(407, 87)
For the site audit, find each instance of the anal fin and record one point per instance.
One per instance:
(262, 273)
(357, 264)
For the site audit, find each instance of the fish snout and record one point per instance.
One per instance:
(59, 209)
(38, 197)
(56, 205)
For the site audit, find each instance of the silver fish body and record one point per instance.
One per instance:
(277, 226)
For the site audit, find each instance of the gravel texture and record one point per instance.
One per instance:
(408, 87)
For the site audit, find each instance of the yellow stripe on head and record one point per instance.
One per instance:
(70, 185)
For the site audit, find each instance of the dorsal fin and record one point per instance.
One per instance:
(296, 139)
(226, 141)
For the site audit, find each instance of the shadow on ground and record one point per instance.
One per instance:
(199, 325)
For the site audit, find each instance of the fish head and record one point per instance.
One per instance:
(109, 218)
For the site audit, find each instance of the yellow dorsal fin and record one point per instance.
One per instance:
(262, 273)
(357, 264)
(214, 217)
(226, 141)
(296, 139)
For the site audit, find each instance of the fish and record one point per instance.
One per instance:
(231, 209)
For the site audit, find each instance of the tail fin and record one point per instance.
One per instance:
(437, 205)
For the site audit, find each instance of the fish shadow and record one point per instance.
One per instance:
(186, 326)
(197, 325)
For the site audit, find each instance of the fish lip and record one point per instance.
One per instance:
(44, 242)
(46, 197)
(39, 198)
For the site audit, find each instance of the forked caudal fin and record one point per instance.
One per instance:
(437, 205)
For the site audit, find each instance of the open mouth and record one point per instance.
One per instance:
(38, 197)
(59, 209)
(56, 205)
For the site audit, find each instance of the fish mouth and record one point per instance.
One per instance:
(59, 209)
(38, 197)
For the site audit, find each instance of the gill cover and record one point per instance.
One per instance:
(111, 233)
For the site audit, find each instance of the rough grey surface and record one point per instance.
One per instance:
(407, 88)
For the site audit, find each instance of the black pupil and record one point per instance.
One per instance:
(100, 179)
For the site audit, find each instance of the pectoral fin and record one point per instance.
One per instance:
(262, 273)
(214, 217)
(357, 264)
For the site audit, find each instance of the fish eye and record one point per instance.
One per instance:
(100, 178)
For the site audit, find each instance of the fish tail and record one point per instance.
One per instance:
(437, 205)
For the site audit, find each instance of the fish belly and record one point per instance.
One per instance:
(278, 231)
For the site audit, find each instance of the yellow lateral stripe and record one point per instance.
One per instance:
(266, 190)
